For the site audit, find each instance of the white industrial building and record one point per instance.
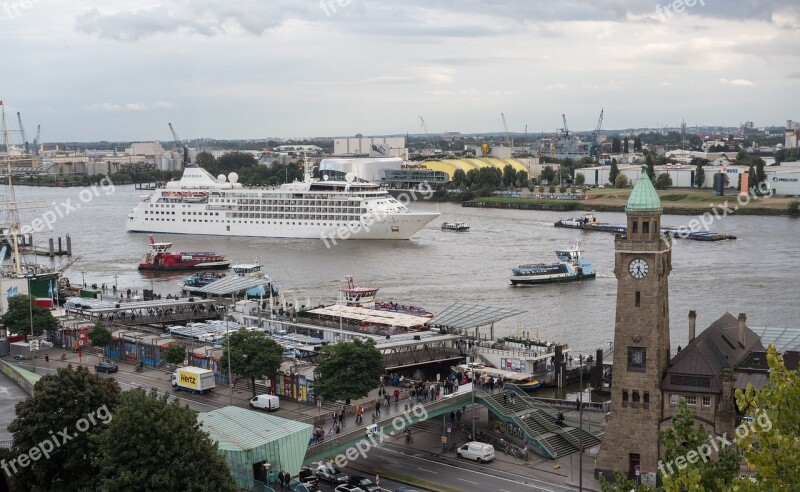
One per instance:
(365, 168)
(371, 146)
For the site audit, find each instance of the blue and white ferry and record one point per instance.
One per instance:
(570, 267)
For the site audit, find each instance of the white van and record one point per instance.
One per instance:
(478, 451)
(265, 402)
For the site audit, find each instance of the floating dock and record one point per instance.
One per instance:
(588, 223)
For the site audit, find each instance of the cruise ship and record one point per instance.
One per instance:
(198, 203)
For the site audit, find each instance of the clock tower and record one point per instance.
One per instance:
(643, 261)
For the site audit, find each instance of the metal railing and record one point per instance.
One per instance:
(514, 416)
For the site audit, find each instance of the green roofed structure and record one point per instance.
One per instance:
(643, 197)
(256, 444)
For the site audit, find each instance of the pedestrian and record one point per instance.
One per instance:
(335, 418)
(359, 414)
(452, 416)
(377, 408)
(281, 477)
(388, 399)
(505, 398)
(577, 403)
(458, 416)
(396, 395)
(341, 417)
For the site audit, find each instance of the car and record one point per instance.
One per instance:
(106, 366)
(348, 488)
(363, 483)
(306, 475)
(45, 343)
(330, 473)
(477, 451)
(296, 486)
(21, 357)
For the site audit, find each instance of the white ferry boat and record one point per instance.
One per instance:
(200, 204)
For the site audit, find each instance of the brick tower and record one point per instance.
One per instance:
(643, 261)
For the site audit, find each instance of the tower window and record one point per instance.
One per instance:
(646, 400)
(638, 301)
(635, 226)
(624, 398)
(646, 227)
(637, 358)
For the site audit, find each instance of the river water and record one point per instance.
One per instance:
(756, 274)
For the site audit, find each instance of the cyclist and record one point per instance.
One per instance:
(409, 439)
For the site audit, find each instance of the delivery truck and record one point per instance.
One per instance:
(194, 379)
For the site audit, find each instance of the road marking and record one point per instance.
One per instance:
(469, 481)
(429, 471)
(503, 490)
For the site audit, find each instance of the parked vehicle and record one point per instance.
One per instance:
(106, 366)
(265, 402)
(363, 483)
(349, 488)
(296, 486)
(330, 473)
(478, 451)
(194, 379)
(306, 475)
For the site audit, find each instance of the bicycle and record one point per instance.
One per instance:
(409, 439)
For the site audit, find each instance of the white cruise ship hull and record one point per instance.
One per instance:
(394, 227)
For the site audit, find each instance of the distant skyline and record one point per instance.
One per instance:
(121, 70)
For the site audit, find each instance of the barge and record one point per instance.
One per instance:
(589, 222)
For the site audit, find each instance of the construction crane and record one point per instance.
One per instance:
(423, 128)
(184, 150)
(566, 128)
(22, 131)
(37, 139)
(596, 135)
(505, 126)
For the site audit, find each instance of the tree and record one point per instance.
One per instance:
(651, 167)
(625, 145)
(522, 179)
(616, 145)
(548, 174)
(772, 444)
(174, 354)
(509, 175)
(252, 354)
(235, 161)
(100, 336)
(663, 181)
(621, 181)
(580, 179)
(459, 178)
(207, 162)
(637, 144)
(613, 172)
(683, 438)
(761, 175)
(152, 444)
(699, 176)
(63, 401)
(25, 318)
(793, 208)
(751, 177)
(348, 370)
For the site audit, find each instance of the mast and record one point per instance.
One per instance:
(12, 206)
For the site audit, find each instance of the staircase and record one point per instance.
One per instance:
(539, 423)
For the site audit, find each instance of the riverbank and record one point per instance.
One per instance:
(674, 202)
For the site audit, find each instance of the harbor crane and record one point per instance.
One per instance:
(595, 144)
(22, 131)
(187, 162)
(566, 128)
(508, 134)
(37, 139)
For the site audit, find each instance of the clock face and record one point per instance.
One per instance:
(638, 268)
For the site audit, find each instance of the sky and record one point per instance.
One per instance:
(122, 70)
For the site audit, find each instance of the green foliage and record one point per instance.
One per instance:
(625, 145)
(663, 181)
(794, 208)
(235, 161)
(24, 318)
(621, 181)
(616, 145)
(787, 155)
(683, 443)
(676, 197)
(522, 179)
(761, 175)
(562, 189)
(613, 172)
(348, 370)
(509, 175)
(459, 178)
(100, 336)
(622, 484)
(637, 144)
(552, 189)
(580, 179)
(152, 444)
(252, 354)
(548, 174)
(699, 176)
(651, 167)
(174, 354)
(59, 402)
(772, 445)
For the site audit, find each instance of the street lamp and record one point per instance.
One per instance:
(83, 278)
(473, 352)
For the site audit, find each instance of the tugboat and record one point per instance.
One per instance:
(160, 258)
(570, 267)
(456, 226)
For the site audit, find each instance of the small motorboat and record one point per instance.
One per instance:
(456, 226)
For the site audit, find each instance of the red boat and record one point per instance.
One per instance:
(161, 259)
(364, 297)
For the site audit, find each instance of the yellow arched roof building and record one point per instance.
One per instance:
(467, 163)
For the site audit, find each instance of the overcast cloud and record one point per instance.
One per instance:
(120, 70)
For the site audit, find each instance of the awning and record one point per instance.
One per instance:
(232, 285)
(373, 316)
(468, 316)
